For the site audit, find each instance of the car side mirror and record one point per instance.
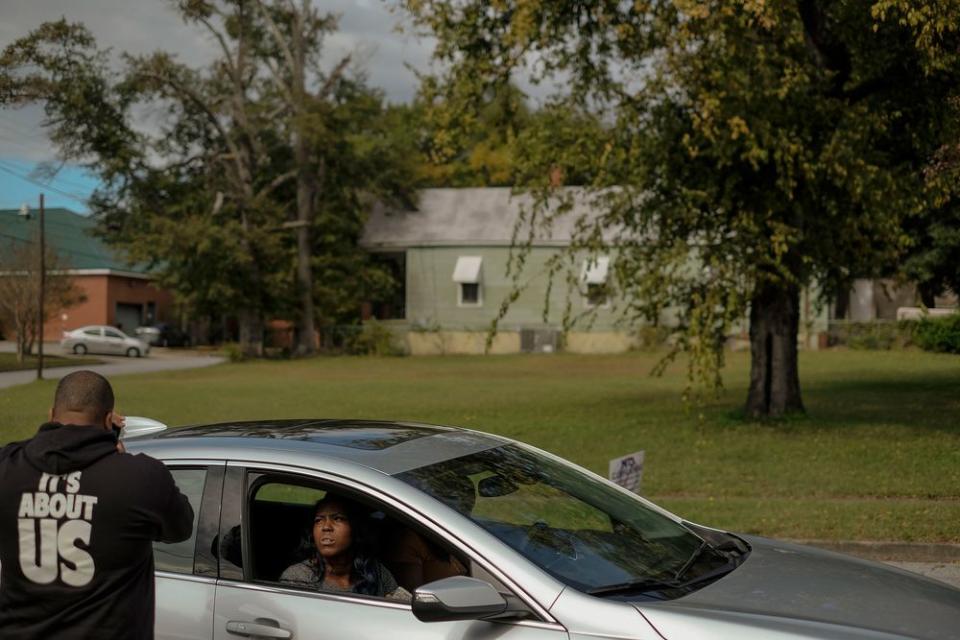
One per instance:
(457, 598)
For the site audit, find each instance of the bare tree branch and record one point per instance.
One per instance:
(277, 36)
(242, 171)
(276, 183)
(277, 78)
(333, 77)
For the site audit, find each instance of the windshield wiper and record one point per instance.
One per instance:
(633, 585)
(693, 558)
(648, 584)
(660, 585)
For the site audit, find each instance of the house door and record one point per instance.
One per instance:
(128, 317)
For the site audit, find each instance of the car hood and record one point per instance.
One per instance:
(790, 591)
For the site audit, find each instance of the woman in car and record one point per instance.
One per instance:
(341, 560)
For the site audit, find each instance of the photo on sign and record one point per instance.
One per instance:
(627, 471)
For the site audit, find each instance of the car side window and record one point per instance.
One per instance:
(280, 516)
(178, 557)
(110, 333)
(91, 332)
(288, 534)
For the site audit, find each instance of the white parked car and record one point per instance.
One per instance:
(103, 339)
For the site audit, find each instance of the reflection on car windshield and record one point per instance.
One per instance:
(581, 530)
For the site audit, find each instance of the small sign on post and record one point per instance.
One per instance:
(627, 471)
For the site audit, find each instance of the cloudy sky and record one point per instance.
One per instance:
(368, 28)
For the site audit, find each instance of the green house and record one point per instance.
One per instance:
(451, 256)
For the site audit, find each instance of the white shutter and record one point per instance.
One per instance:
(595, 270)
(467, 269)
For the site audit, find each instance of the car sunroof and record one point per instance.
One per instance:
(355, 435)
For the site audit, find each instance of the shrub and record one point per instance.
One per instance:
(939, 334)
(374, 339)
(233, 352)
(877, 335)
(651, 337)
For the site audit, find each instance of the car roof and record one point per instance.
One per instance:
(387, 446)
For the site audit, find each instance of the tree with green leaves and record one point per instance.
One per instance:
(257, 177)
(749, 150)
(933, 259)
(476, 147)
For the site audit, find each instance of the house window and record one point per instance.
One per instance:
(469, 293)
(467, 276)
(594, 275)
(597, 295)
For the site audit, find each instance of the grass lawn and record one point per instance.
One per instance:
(877, 457)
(8, 362)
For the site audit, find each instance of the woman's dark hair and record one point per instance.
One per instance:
(365, 566)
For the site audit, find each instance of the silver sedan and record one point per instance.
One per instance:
(103, 339)
(409, 531)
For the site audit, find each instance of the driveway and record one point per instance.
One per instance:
(158, 360)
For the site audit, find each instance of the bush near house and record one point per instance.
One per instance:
(880, 335)
(374, 339)
(941, 335)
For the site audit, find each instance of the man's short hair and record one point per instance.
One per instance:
(84, 392)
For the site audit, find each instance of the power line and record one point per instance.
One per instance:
(12, 166)
(65, 194)
(45, 185)
(60, 250)
(65, 182)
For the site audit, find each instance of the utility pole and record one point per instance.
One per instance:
(43, 283)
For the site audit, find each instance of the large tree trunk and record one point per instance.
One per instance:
(306, 185)
(306, 190)
(251, 332)
(774, 374)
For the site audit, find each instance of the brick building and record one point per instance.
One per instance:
(116, 293)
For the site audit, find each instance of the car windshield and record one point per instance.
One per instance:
(583, 531)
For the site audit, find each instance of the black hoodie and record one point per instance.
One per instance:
(77, 523)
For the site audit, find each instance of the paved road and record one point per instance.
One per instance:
(949, 573)
(158, 360)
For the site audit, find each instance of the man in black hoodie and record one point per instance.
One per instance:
(78, 517)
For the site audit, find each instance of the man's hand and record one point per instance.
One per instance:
(118, 422)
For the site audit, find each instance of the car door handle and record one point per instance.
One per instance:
(260, 628)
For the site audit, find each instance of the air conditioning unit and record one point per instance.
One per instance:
(539, 340)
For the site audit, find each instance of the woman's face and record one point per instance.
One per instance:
(331, 530)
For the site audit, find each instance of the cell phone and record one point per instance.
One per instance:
(116, 432)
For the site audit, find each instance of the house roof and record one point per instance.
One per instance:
(70, 235)
(467, 217)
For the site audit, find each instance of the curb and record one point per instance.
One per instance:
(899, 551)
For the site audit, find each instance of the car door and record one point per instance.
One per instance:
(186, 572)
(114, 341)
(92, 339)
(252, 605)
